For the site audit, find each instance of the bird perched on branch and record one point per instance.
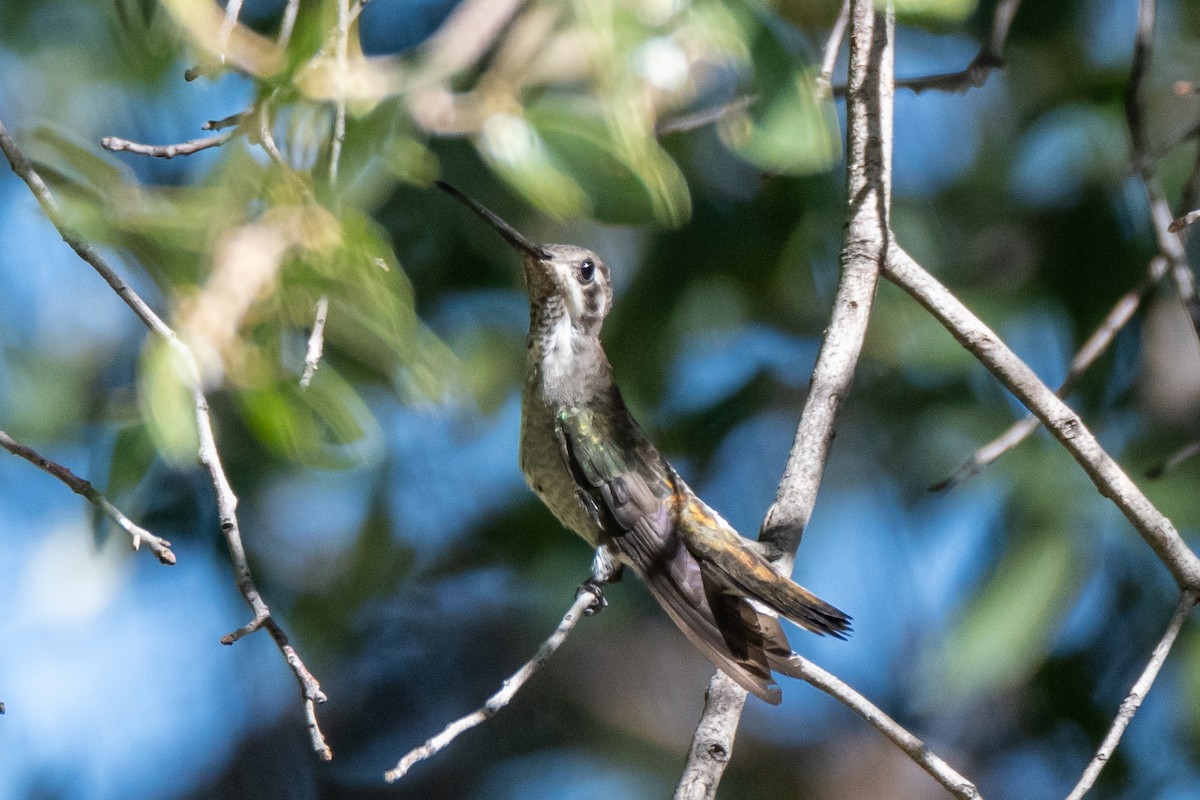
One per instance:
(589, 461)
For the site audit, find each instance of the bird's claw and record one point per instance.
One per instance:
(595, 588)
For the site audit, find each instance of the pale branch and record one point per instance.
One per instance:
(117, 144)
(342, 35)
(712, 743)
(707, 116)
(287, 23)
(207, 453)
(913, 747)
(1059, 419)
(1092, 349)
(832, 45)
(974, 75)
(1179, 223)
(137, 534)
(233, 9)
(584, 601)
(868, 181)
(316, 342)
(225, 122)
(1181, 455)
(1133, 701)
(1170, 245)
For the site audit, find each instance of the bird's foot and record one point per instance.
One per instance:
(596, 588)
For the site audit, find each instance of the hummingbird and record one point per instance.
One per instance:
(589, 461)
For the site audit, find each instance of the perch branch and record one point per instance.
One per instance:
(1092, 349)
(585, 600)
(1133, 701)
(208, 456)
(832, 45)
(316, 342)
(1059, 419)
(137, 534)
(117, 144)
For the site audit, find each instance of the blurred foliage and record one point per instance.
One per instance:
(385, 516)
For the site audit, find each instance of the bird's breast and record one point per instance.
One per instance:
(546, 472)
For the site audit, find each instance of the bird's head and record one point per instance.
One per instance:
(565, 274)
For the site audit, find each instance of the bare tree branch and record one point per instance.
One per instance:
(1133, 701)
(1161, 217)
(1181, 455)
(287, 23)
(1182, 222)
(316, 342)
(117, 144)
(869, 121)
(1092, 349)
(832, 46)
(974, 75)
(232, 10)
(1064, 423)
(707, 116)
(208, 456)
(225, 122)
(137, 534)
(339, 124)
(585, 600)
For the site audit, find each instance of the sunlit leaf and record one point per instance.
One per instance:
(167, 403)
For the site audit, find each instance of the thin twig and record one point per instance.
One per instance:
(117, 144)
(316, 342)
(585, 600)
(707, 116)
(1059, 419)
(339, 123)
(832, 46)
(232, 10)
(288, 23)
(1181, 455)
(1161, 217)
(357, 8)
(225, 122)
(1182, 222)
(1092, 349)
(913, 747)
(207, 454)
(1133, 701)
(868, 182)
(137, 534)
(974, 75)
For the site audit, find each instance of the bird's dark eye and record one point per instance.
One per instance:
(587, 270)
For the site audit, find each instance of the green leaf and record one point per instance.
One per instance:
(627, 179)
(167, 404)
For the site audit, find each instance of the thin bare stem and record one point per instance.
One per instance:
(1161, 217)
(316, 342)
(707, 116)
(1182, 222)
(1133, 701)
(137, 534)
(117, 144)
(225, 122)
(1181, 455)
(1092, 349)
(207, 454)
(1059, 419)
(832, 46)
(974, 75)
(868, 179)
(232, 10)
(913, 747)
(339, 123)
(585, 600)
(357, 8)
(288, 23)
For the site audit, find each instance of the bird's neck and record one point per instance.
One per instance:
(566, 365)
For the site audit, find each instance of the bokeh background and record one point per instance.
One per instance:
(383, 509)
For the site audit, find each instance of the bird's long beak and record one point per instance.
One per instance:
(510, 234)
